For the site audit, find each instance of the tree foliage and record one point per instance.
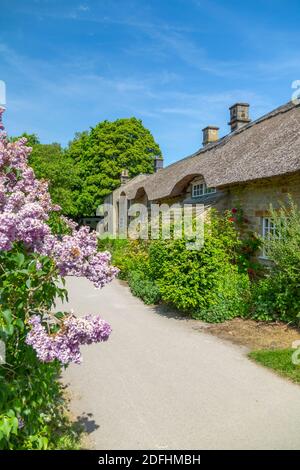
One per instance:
(32, 139)
(50, 162)
(101, 154)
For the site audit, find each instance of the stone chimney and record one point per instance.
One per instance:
(158, 163)
(210, 135)
(239, 116)
(124, 176)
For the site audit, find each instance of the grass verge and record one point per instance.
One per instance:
(280, 360)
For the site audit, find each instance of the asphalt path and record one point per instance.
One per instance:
(158, 383)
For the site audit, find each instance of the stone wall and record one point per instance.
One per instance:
(255, 198)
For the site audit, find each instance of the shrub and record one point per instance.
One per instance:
(120, 253)
(38, 341)
(132, 258)
(249, 243)
(263, 300)
(232, 299)
(210, 284)
(127, 255)
(199, 281)
(143, 287)
(277, 296)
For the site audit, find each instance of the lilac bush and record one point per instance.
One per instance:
(34, 262)
(25, 206)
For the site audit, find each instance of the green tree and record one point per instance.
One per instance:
(50, 162)
(102, 153)
(32, 139)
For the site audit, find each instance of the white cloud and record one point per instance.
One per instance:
(83, 8)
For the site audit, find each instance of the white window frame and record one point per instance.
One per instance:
(268, 229)
(200, 189)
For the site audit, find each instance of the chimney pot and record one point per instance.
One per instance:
(124, 176)
(210, 135)
(239, 116)
(158, 163)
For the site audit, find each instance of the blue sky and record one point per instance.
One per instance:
(176, 64)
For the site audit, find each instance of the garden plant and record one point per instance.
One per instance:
(39, 341)
(225, 279)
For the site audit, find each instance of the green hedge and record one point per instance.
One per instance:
(205, 283)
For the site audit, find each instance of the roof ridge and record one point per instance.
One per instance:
(132, 180)
(279, 110)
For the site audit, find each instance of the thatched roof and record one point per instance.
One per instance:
(267, 147)
(132, 184)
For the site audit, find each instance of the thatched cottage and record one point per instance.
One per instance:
(255, 165)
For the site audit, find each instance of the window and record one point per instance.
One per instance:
(200, 189)
(268, 230)
(209, 190)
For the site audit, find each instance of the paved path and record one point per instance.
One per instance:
(160, 384)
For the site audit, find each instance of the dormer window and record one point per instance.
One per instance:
(200, 189)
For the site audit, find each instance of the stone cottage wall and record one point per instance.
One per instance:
(255, 198)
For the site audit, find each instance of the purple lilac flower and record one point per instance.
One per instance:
(25, 205)
(65, 345)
